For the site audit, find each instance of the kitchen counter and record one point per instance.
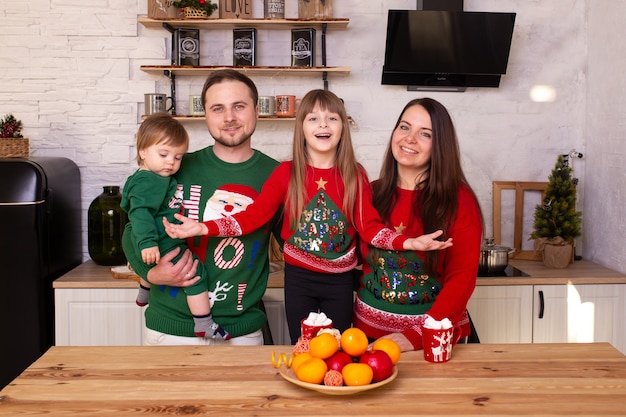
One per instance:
(480, 379)
(90, 275)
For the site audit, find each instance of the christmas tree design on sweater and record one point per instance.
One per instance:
(322, 227)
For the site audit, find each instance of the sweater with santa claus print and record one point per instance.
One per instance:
(237, 267)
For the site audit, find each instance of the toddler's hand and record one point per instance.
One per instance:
(150, 255)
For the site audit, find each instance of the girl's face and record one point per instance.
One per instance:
(322, 133)
(411, 141)
(162, 159)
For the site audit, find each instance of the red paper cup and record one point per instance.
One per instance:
(309, 332)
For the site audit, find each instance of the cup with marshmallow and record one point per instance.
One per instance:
(312, 324)
(438, 339)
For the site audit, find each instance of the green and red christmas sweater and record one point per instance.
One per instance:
(396, 291)
(324, 240)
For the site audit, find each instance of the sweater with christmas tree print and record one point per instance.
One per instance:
(324, 240)
(237, 267)
(396, 291)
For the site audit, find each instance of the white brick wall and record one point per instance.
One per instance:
(70, 72)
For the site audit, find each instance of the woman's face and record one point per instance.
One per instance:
(411, 141)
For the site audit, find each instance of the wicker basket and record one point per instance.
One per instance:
(14, 148)
(192, 13)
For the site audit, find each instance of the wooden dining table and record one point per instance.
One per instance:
(480, 379)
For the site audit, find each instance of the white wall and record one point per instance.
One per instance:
(70, 72)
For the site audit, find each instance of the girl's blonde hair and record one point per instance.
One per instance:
(349, 170)
(160, 128)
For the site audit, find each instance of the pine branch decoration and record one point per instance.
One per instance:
(557, 215)
(10, 127)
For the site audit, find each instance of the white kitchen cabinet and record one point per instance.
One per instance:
(503, 313)
(110, 316)
(550, 313)
(580, 313)
(97, 317)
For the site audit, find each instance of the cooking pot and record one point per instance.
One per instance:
(493, 258)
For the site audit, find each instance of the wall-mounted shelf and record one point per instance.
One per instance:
(172, 71)
(267, 71)
(230, 23)
(190, 118)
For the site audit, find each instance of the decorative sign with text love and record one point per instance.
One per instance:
(235, 9)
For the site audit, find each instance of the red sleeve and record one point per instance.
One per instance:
(259, 212)
(369, 225)
(458, 268)
(415, 337)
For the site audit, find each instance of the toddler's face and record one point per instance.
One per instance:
(162, 159)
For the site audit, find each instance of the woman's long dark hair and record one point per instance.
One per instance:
(437, 201)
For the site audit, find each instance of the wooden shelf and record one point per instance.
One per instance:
(190, 118)
(341, 23)
(267, 71)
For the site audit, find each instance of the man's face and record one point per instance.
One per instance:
(231, 113)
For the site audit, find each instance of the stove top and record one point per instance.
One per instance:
(509, 271)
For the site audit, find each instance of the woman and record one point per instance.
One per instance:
(421, 189)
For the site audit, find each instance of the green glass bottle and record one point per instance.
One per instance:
(106, 222)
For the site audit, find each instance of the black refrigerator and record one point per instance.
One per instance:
(40, 240)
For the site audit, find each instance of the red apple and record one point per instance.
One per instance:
(338, 360)
(380, 363)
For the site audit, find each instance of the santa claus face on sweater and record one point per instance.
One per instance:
(228, 200)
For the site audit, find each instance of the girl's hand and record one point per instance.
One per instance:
(427, 242)
(187, 228)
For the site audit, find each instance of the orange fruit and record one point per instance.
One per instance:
(312, 370)
(298, 359)
(354, 341)
(323, 346)
(355, 374)
(388, 346)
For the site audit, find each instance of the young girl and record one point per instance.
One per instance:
(327, 201)
(149, 195)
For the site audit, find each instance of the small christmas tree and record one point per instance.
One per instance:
(557, 216)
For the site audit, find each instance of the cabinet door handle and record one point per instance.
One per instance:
(541, 304)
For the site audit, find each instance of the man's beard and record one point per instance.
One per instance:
(233, 142)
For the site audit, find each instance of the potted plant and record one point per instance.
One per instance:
(12, 143)
(196, 8)
(556, 221)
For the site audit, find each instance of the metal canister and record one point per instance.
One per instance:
(303, 47)
(244, 47)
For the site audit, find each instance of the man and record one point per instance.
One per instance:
(217, 180)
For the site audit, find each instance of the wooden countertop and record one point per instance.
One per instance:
(495, 380)
(90, 275)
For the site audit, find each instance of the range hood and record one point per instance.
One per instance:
(446, 50)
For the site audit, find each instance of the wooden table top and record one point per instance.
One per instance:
(480, 379)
